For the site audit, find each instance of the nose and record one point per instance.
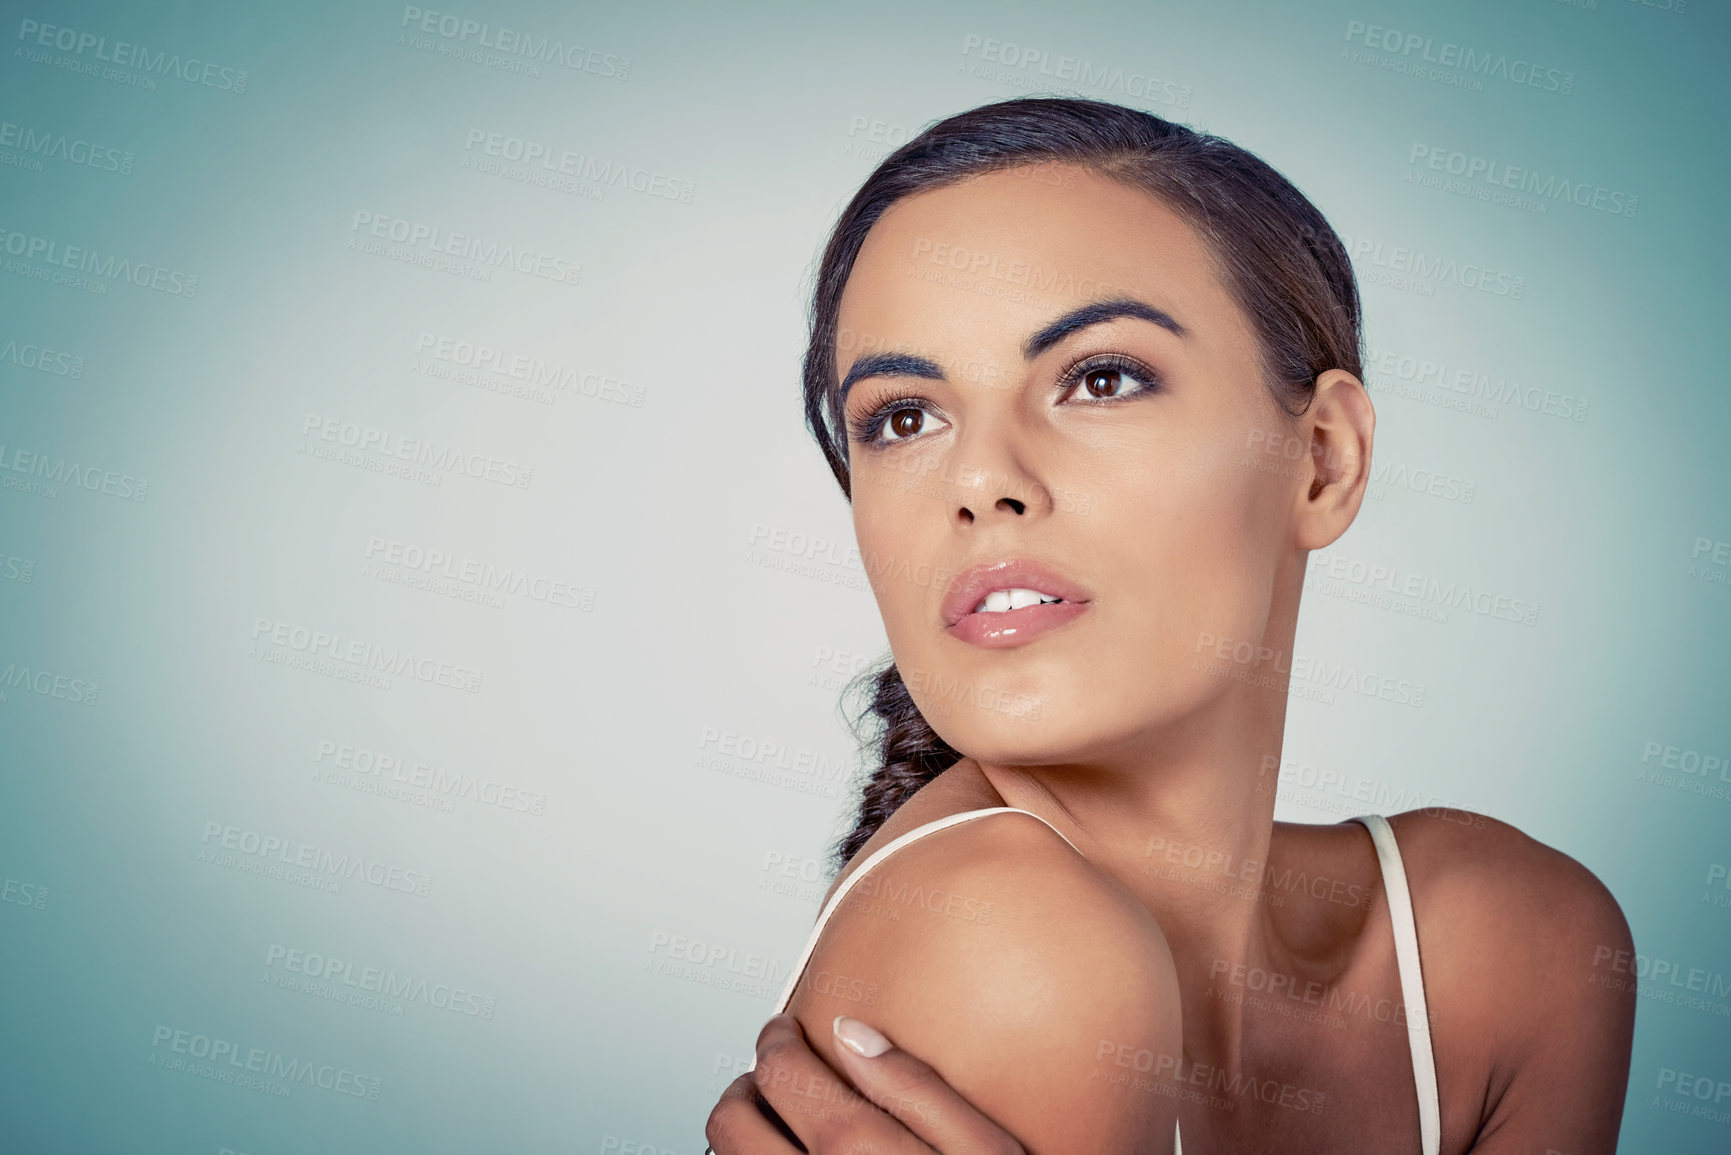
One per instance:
(983, 490)
(996, 467)
(966, 515)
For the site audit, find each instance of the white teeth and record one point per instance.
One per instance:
(1002, 601)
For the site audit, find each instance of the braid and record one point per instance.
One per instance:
(907, 751)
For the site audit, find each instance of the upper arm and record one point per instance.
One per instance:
(1537, 987)
(1030, 981)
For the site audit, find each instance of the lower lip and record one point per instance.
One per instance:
(1014, 627)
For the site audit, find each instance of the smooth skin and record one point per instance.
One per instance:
(1196, 959)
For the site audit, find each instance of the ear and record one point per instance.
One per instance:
(1341, 425)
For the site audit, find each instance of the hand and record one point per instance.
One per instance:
(906, 1106)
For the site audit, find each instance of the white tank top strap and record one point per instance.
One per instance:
(872, 860)
(1411, 980)
(1400, 914)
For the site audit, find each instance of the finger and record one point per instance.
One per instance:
(818, 1104)
(915, 1095)
(738, 1125)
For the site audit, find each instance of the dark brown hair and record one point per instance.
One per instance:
(1282, 262)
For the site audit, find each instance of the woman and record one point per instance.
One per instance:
(1091, 382)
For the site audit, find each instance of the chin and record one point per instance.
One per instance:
(1056, 728)
(1025, 732)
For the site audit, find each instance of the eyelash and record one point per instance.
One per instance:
(864, 430)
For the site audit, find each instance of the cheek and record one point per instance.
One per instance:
(895, 531)
(1194, 536)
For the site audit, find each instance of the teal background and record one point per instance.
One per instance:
(560, 923)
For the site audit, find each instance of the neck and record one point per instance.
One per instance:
(1184, 820)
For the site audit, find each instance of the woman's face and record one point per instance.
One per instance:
(1049, 388)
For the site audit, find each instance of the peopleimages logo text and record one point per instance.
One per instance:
(35, 679)
(1460, 57)
(262, 1062)
(1084, 73)
(83, 259)
(514, 42)
(1428, 269)
(365, 655)
(128, 55)
(439, 241)
(59, 146)
(62, 471)
(322, 859)
(1502, 175)
(381, 981)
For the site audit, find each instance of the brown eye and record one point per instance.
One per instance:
(901, 419)
(905, 422)
(1103, 382)
(1110, 378)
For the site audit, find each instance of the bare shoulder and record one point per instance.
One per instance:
(1523, 897)
(1036, 985)
(1528, 969)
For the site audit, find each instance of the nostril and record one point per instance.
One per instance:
(1019, 507)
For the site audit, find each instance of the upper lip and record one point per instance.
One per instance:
(977, 581)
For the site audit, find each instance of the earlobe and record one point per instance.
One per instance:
(1342, 425)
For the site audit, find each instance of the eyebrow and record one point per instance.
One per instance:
(891, 364)
(1098, 313)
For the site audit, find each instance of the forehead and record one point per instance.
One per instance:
(992, 258)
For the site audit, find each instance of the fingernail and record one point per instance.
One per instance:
(860, 1039)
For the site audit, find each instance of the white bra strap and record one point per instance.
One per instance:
(872, 860)
(1411, 980)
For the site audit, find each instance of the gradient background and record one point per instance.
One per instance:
(620, 829)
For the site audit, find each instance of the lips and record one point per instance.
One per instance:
(972, 585)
